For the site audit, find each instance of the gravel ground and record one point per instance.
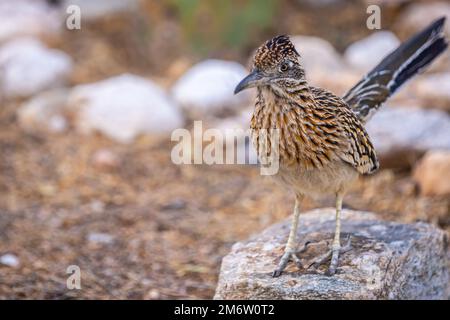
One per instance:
(142, 227)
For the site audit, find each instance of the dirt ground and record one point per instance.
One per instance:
(170, 225)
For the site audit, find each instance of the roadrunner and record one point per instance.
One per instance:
(323, 145)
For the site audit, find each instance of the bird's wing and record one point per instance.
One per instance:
(355, 147)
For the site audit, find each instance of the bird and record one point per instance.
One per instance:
(321, 143)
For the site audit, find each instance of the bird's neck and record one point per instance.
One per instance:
(273, 101)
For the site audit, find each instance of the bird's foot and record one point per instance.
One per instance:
(334, 255)
(289, 255)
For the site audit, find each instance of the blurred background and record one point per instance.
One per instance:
(86, 115)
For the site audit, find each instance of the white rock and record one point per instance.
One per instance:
(207, 88)
(401, 135)
(103, 238)
(419, 15)
(368, 52)
(28, 18)
(434, 90)
(317, 54)
(324, 66)
(9, 260)
(44, 111)
(123, 107)
(97, 206)
(91, 10)
(29, 67)
(57, 123)
(105, 159)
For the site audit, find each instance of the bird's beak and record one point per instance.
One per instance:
(252, 80)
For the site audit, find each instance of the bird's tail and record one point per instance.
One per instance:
(395, 69)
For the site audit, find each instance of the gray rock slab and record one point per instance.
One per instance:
(388, 260)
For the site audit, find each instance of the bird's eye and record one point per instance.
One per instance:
(284, 67)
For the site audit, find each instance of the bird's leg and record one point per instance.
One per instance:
(336, 246)
(289, 251)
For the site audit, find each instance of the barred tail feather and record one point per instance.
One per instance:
(395, 69)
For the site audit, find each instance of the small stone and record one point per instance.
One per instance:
(29, 67)
(100, 238)
(419, 15)
(318, 54)
(57, 124)
(207, 88)
(401, 135)
(28, 18)
(368, 52)
(105, 159)
(47, 189)
(175, 204)
(124, 107)
(432, 173)
(97, 206)
(153, 294)
(9, 260)
(324, 66)
(415, 267)
(434, 90)
(44, 112)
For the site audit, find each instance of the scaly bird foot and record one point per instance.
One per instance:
(288, 256)
(334, 255)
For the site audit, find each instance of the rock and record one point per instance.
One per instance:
(57, 123)
(9, 260)
(105, 159)
(28, 18)
(402, 135)
(44, 111)
(387, 260)
(29, 67)
(368, 52)
(318, 54)
(323, 65)
(97, 206)
(100, 238)
(433, 173)
(123, 107)
(153, 294)
(434, 90)
(91, 10)
(418, 16)
(207, 88)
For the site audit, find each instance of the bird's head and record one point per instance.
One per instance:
(275, 64)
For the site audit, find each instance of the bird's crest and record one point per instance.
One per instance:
(273, 51)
